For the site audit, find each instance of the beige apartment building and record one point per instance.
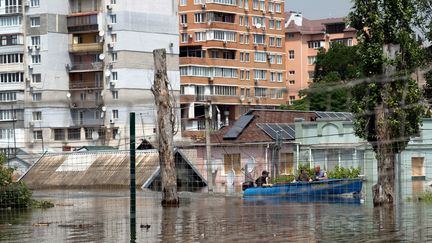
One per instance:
(232, 56)
(304, 38)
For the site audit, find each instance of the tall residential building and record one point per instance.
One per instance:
(72, 70)
(304, 38)
(232, 56)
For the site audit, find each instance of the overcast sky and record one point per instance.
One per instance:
(314, 9)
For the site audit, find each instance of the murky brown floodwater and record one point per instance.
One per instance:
(102, 216)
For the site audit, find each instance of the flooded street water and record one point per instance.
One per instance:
(103, 216)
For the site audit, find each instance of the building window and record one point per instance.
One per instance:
(34, 3)
(271, 24)
(286, 163)
(184, 37)
(278, 24)
(247, 57)
(113, 1)
(259, 39)
(272, 76)
(115, 114)
(291, 55)
(255, 4)
(199, 18)
(241, 56)
(262, 5)
(8, 96)
(114, 56)
(247, 75)
(291, 82)
(113, 19)
(6, 133)
(114, 94)
(312, 60)
(37, 96)
(276, 94)
(113, 38)
(290, 35)
(278, 42)
(232, 164)
(260, 56)
(11, 58)
(200, 36)
(183, 2)
(225, 91)
(35, 40)
(271, 41)
(260, 74)
(278, 7)
(37, 115)
(279, 77)
(59, 134)
(37, 135)
(260, 92)
(7, 115)
(74, 133)
(311, 75)
(279, 59)
(36, 59)
(291, 72)
(115, 133)
(417, 166)
(291, 100)
(36, 78)
(183, 18)
(315, 44)
(114, 76)
(34, 21)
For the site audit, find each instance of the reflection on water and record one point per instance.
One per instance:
(102, 216)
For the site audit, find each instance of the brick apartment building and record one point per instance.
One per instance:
(303, 39)
(232, 55)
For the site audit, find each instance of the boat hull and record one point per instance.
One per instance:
(315, 188)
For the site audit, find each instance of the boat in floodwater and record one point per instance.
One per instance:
(314, 188)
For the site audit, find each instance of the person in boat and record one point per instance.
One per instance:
(303, 177)
(262, 180)
(319, 174)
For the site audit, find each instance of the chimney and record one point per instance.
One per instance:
(298, 18)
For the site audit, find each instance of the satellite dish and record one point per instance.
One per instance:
(107, 73)
(258, 25)
(103, 108)
(102, 114)
(95, 135)
(101, 56)
(101, 33)
(68, 94)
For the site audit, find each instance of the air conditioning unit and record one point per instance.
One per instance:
(37, 47)
(246, 10)
(109, 6)
(184, 25)
(263, 28)
(171, 44)
(109, 26)
(225, 43)
(211, 79)
(256, 81)
(255, 46)
(110, 45)
(110, 64)
(27, 79)
(113, 82)
(203, 6)
(111, 121)
(248, 27)
(68, 68)
(30, 48)
(265, 46)
(242, 98)
(74, 105)
(31, 124)
(263, 11)
(190, 36)
(27, 3)
(30, 67)
(250, 100)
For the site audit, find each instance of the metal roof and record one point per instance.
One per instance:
(238, 127)
(286, 131)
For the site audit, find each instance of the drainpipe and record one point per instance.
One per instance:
(298, 155)
(218, 118)
(266, 157)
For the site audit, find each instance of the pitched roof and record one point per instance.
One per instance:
(316, 26)
(95, 148)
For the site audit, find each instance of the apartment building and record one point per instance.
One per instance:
(232, 57)
(72, 70)
(304, 38)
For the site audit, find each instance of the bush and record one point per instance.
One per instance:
(282, 179)
(343, 173)
(310, 171)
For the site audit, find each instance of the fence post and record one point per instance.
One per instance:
(132, 178)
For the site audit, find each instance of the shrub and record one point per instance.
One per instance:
(343, 173)
(282, 179)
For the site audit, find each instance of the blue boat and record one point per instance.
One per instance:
(315, 188)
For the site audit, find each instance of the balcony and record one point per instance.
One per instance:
(86, 104)
(85, 67)
(11, 10)
(82, 22)
(86, 47)
(84, 85)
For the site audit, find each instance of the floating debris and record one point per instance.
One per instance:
(76, 226)
(41, 224)
(145, 226)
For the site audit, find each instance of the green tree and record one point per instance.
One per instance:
(387, 106)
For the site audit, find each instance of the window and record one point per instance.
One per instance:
(232, 164)
(260, 56)
(184, 37)
(291, 72)
(115, 133)
(259, 39)
(113, 38)
(114, 76)
(241, 22)
(311, 75)
(114, 56)
(36, 78)
(11, 77)
(37, 96)
(115, 114)
(278, 42)
(34, 21)
(183, 2)
(225, 2)
(242, 75)
(6, 133)
(286, 163)
(36, 59)
(113, 18)
(291, 54)
(258, 20)
(260, 74)
(10, 21)
(276, 94)
(291, 100)
(290, 35)
(312, 60)
(113, 1)
(255, 4)
(271, 24)
(346, 41)
(34, 3)
(221, 35)
(59, 134)
(11, 58)
(279, 59)
(247, 57)
(262, 5)
(247, 75)
(114, 94)
(260, 92)
(37, 135)
(199, 18)
(225, 90)
(241, 56)
(291, 82)
(37, 115)
(183, 18)
(241, 37)
(200, 36)
(271, 41)
(417, 166)
(272, 76)
(8, 96)
(74, 133)
(314, 44)
(278, 24)
(271, 7)
(6, 115)
(278, 7)
(35, 40)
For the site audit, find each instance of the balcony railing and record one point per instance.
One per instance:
(82, 22)
(89, 103)
(86, 47)
(84, 85)
(87, 66)
(17, 9)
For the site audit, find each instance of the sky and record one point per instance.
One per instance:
(315, 9)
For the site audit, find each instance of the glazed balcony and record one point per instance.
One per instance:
(85, 67)
(86, 47)
(83, 22)
(86, 104)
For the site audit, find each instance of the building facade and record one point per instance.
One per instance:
(232, 57)
(304, 38)
(72, 71)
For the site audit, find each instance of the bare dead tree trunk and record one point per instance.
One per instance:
(163, 103)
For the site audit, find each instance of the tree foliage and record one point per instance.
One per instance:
(380, 23)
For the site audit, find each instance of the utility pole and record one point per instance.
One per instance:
(132, 205)
(164, 104)
(277, 147)
(14, 131)
(208, 147)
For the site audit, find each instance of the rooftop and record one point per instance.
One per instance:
(317, 26)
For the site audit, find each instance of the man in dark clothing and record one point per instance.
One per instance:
(262, 180)
(303, 177)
